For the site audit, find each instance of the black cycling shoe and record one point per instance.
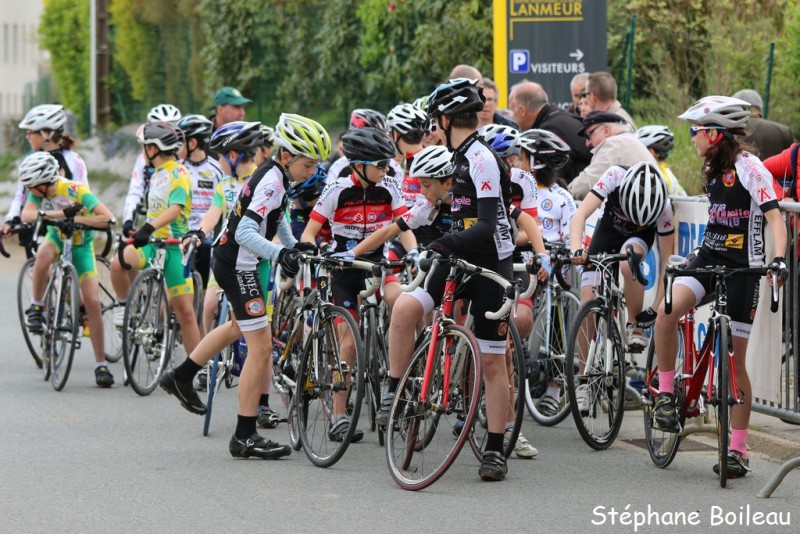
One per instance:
(737, 465)
(267, 417)
(103, 377)
(338, 431)
(494, 466)
(184, 391)
(382, 415)
(257, 446)
(34, 319)
(665, 414)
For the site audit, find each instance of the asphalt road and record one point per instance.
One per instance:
(91, 460)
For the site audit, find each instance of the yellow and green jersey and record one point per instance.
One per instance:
(170, 185)
(65, 194)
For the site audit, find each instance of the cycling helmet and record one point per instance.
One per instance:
(642, 194)
(367, 144)
(407, 120)
(302, 136)
(545, 147)
(164, 113)
(361, 118)
(460, 95)
(504, 140)
(311, 188)
(723, 111)
(243, 137)
(196, 127)
(266, 135)
(45, 117)
(657, 137)
(421, 103)
(37, 169)
(161, 134)
(432, 162)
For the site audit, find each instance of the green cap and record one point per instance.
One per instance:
(230, 95)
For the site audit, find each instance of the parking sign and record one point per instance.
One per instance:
(520, 61)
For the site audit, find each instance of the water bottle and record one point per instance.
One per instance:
(239, 356)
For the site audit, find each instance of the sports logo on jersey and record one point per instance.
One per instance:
(205, 184)
(502, 329)
(764, 195)
(547, 205)
(469, 221)
(547, 224)
(262, 210)
(734, 241)
(351, 244)
(255, 307)
(371, 217)
(72, 190)
(728, 179)
(486, 186)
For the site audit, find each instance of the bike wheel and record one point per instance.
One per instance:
(724, 352)
(548, 347)
(146, 335)
(197, 298)
(370, 333)
(594, 343)
(325, 377)
(420, 446)
(215, 379)
(479, 432)
(24, 294)
(284, 373)
(62, 308)
(663, 446)
(112, 339)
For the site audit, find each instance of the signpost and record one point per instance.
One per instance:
(547, 42)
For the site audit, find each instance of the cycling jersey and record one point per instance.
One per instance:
(556, 207)
(204, 176)
(65, 194)
(428, 222)
(411, 188)
(170, 185)
(140, 182)
(674, 188)
(227, 192)
(523, 191)
(356, 212)
(739, 198)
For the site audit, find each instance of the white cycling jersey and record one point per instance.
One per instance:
(556, 207)
(205, 176)
(136, 188)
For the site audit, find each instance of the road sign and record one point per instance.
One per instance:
(548, 42)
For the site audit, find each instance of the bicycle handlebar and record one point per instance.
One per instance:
(425, 264)
(157, 241)
(634, 262)
(13, 229)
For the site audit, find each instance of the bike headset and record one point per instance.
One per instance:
(459, 96)
(239, 136)
(367, 145)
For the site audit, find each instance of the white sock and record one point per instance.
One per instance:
(553, 391)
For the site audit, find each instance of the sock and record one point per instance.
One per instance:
(554, 391)
(666, 381)
(100, 364)
(37, 302)
(393, 383)
(245, 425)
(739, 441)
(264, 401)
(185, 372)
(494, 442)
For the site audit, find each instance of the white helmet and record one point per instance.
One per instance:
(432, 162)
(407, 119)
(164, 113)
(37, 169)
(642, 194)
(45, 117)
(657, 137)
(504, 140)
(723, 111)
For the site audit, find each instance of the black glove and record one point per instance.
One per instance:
(15, 221)
(646, 318)
(142, 236)
(440, 247)
(71, 211)
(306, 248)
(289, 259)
(201, 235)
(779, 263)
(127, 228)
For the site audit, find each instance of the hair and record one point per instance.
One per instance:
(530, 94)
(465, 71)
(722, 156)
(62, 139)
(464, 120)
(579, 78)
(414, 137)
(619, 127)
(603, 85)
(488, 83)
(544, 176)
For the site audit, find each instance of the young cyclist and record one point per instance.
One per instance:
(264, 151)
(742, 198)
(407, 125)
(659, 140)
(357, 206)
(635, 208)
(60, 198)
(247, 238)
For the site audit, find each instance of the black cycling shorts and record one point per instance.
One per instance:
(245, 296)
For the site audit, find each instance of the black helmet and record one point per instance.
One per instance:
(367, 144)
(546, 147)
(196, 127)
(460, 95)
(162, 134)
(363, 118)
(240, 136)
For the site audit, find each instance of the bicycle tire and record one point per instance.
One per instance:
(24, 294)
(112, 340)
(724, 352)
(606, 392)
(553, 360)
(322, 372)
(373, 386)
(283, 375)
(214, 381)
(479, 430)
(663, 446)
(415, 463)
(146, 335)
(197, 297)
(62, 307)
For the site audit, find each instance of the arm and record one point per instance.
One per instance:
(778, 228)
(284, 233)
(135, 190)
(530, 228)
(313, 227)
(578, 223)
(31, 211)
(407, 239)
(379, 238)
(210, 219)
(589, 176)
(666, 246)
(17, 203)
(248, 237)
(168, 215)
(100, 218)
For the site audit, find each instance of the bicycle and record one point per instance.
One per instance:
(705, 377)
(598, 361)
(441, 385)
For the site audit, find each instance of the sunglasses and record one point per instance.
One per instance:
(590, 133)
(693, 131)
(381, 164)
(583, 94)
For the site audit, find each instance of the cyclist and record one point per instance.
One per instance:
(635, 208)
(356, 206)
(264, 151)
(482, 235)
(136, 200)
(742, 198)
(60, 198)
(659, 140)
(168, 206)
(247, 238)
(406, 124)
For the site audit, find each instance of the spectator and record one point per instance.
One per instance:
(601, 95)
(486, 115)
(612, 143)
(577, 87)
(531, 108)
(784, 169)
(768, 137)
(470, 72)
(228, 106)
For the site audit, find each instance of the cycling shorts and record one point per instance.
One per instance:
(82, 257)
(177, 283)
(245, 291)
(612, 242)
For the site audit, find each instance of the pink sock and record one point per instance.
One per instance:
(739, 441)
(666, 381)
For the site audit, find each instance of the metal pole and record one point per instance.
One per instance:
(770, 61)
(92, 66)
(632, 44)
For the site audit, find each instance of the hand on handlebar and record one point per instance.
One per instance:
(545, 267)
(579, 257)
(142, 236)
(71, 211)
(194, 234)
(778, 264)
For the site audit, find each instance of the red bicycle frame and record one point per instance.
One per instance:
(442, 314)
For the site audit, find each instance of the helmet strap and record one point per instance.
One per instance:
(233, 164)
(362, 173)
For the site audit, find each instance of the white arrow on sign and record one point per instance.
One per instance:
(577, 54)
